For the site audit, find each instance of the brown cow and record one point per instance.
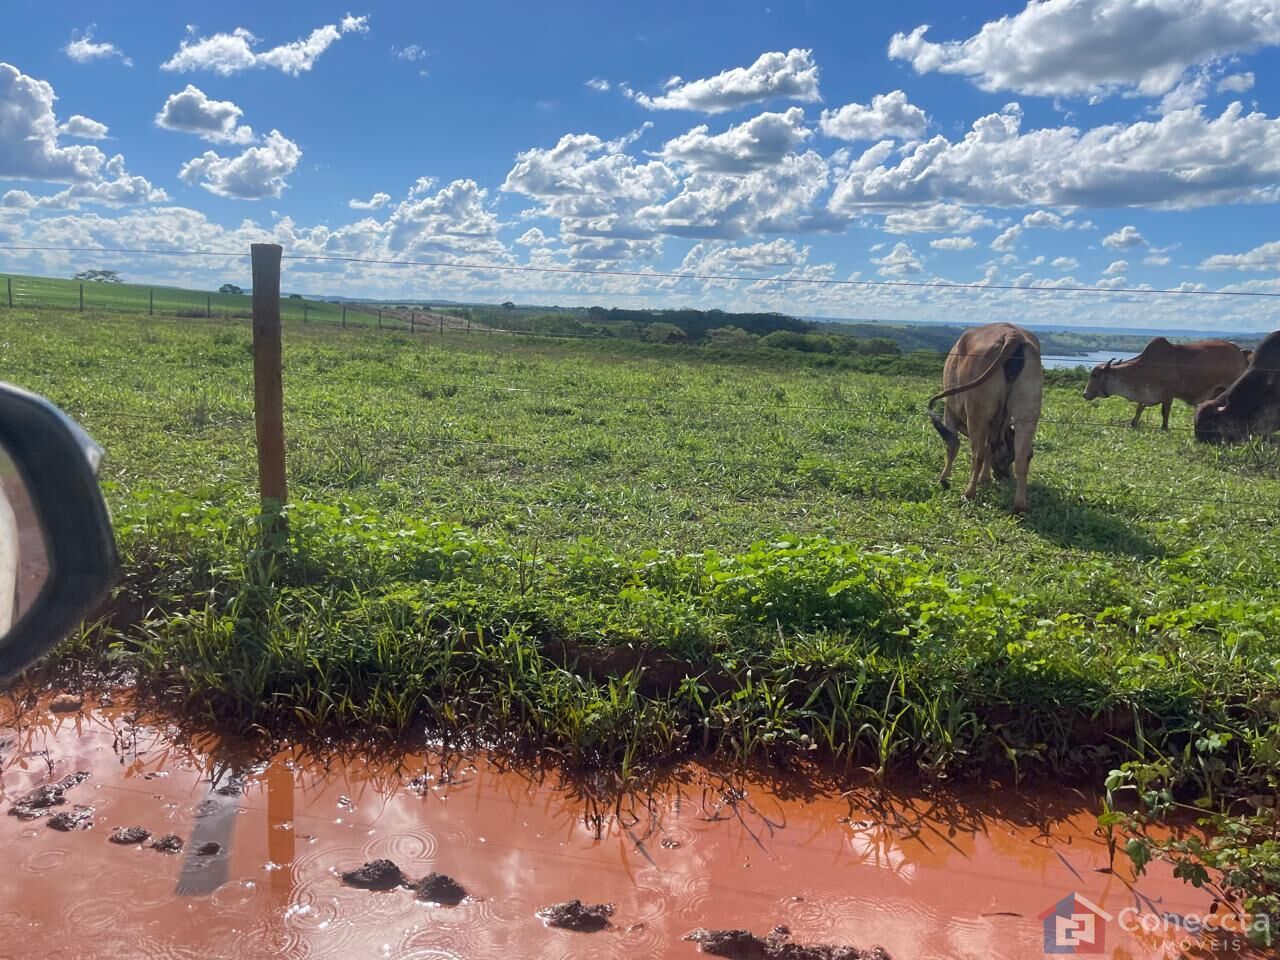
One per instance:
(997, 413)
(1164, 372)
(1251, 405)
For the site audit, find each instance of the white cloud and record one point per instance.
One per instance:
(1156, 260)
(1007, 240)
(376, 202)
(1048, 220)
(759, 142)
(936, 218)
(413, 53)
(598, 84)
(1264, 257)
(1096, 47)
(888, 115)
(1184, 159)
(901, 261)
(534, 237)
(256, 173)
(1116, 268)
(953, 243)
(1126, 238)
(217, 121)
(83, 49)
(786, 198)
(29, 148)
(83, 128)
(1236, 83)
(229, 53)
(792, 76)
(1064, 263)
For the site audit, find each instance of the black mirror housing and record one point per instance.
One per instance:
(57, 463)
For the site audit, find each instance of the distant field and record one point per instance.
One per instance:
(49, 293)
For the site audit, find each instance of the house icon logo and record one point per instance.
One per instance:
(1075, 926)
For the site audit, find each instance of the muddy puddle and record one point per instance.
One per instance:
(251, 859)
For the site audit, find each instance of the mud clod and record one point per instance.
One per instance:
(36, 803)
(576, 915)
(439, 888)
(745, 945)
(375, 875)
(210, 849)
(127, 835)
(76, 819)
(66, 703)
(169, 843)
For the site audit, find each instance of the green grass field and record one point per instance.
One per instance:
(626, 554)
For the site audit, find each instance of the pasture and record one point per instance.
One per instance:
(629, 553)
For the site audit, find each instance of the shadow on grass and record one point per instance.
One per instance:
(1069, 521)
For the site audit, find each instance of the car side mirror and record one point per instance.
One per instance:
(57, 550)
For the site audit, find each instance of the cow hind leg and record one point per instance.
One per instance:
(1137, 417)
(1024, 434)
(1164, 414)
(978, 433)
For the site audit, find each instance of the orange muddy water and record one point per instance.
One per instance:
(965, 878)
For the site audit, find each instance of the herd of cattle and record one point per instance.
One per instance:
(993, 383)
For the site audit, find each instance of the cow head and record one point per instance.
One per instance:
(1250, 406)
(1097, 385)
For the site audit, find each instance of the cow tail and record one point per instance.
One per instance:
(1008, 348)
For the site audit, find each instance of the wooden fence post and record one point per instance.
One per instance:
(379, 319)
(413, 322)
(468, 323)
(208, 306)
(9, 281)
(268, 386)
(82, 298)
(151, 303)
(442, 323)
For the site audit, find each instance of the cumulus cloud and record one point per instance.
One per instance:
(376, 202)
(256, 173)
(1007, 240)
(598, 84)
(888, 115)
(82, 48)
(1236, 83)
(1156, 259)
(234, 52)
(217, 121)
(901, 261)
(83, 128)
(953, 243)
(1064, 263)
(936, 218)
(29, 148)
(759, 142)
(1126, 238)
(1096, 47)
(1263, 257)
(1183, 159)
(534, 237)
(1116, 268)
(791, 76)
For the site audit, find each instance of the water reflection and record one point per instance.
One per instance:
(961, 875)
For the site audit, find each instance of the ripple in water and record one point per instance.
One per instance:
(402, 846)
(235, 893)
(46, 860)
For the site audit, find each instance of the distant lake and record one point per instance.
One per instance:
(1052, 362)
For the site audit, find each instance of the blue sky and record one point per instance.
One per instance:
(1110, 144)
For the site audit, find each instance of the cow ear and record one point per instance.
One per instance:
(1109, 363)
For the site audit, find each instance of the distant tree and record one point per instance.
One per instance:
(230, 288)
(730, 337)
(664, 333)
(295, 296)
(508, 306)
(99, 276)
